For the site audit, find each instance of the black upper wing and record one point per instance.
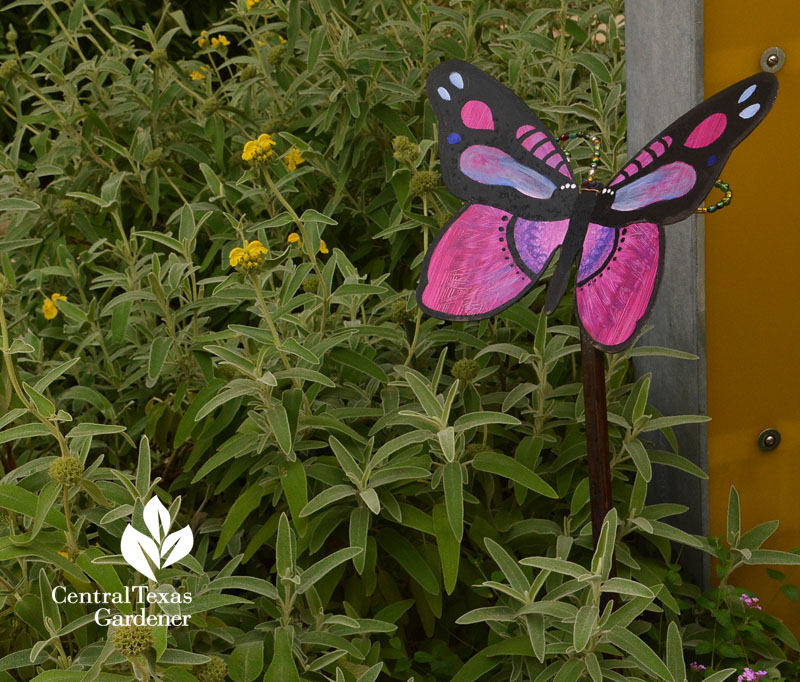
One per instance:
(668, 179)
(494, 150)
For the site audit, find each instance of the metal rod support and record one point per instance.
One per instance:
(594, 398)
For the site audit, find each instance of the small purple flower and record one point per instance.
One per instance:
(749, 601)
(749, 675)
(694, 665)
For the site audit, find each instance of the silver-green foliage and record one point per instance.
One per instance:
(357, 498)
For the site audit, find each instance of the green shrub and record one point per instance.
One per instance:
(211, 227)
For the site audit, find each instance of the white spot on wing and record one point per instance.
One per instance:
(444, 94)
(749, 91)
(457, 80)
(750, 111)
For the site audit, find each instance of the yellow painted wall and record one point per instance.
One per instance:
(753, 293)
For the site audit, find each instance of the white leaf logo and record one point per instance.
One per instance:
(147, 554)
(156, 518)
(180, 543)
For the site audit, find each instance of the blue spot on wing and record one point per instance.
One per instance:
(749, 91)
(454, 138)
(444, 94)
(711, 160)
(457, 80)
(750, 111)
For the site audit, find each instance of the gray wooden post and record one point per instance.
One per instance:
(664, 58)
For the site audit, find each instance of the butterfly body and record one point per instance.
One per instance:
(524, 204)
(571, 247)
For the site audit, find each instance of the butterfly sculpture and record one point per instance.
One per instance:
(524, 204)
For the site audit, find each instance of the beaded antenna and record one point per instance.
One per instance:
(524, 204)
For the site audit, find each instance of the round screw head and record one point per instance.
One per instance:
(769, 439)
(772, 59)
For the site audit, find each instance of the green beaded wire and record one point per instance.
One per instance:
(722, 203)
(595, 141)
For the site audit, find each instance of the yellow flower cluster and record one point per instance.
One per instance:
(259, 149)
(249, 258)
(293, 159)
(49, 308)
(294, 238)
(217, 41)
(251, 4)
(199, 75)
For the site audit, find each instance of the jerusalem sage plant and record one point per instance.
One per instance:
(211, 222)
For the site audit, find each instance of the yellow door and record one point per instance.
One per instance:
(752, 294)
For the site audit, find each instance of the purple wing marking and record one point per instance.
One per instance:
(597, 247)
(613, 302)
(644, 158)
(707, 131)
(470, 272)
(532, 140)
(491, 166)
(477, 115)
(668, 182)
(535, 241)
(655, 150)
(542, 149)
(564, 170)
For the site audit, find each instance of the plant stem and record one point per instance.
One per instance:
(268, 317)
(306, 245)
(23, 397)
(72, 543)
(418, 321)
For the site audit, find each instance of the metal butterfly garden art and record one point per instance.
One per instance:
(524, 204)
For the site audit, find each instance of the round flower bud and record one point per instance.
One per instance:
(248, 72)
(66, 470)
(465, 369)
(153, 157)
(213, 671)
(311, 284)
(399, 312)
(11, 36)
(474, 449)
(209, 106)
(158, 56)
(405, 151)
(8, 69)
(275, 55)
(66, 207)
(422, 182)
(132, 640)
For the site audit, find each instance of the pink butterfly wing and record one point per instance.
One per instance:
(494, 150)
(534, 242)
(674, 172)
(469, 272)
(617, 281)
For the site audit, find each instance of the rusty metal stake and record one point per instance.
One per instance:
(594, 398)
